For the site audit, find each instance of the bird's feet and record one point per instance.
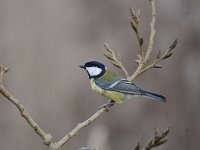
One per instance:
(107, 105)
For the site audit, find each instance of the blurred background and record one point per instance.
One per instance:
(44, 42)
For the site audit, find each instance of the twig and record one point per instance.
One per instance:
(157, 140)
(135, 25)
(46, 137)
(159, 57)
(153, 31)
(143, 60)
(81, 125)
(116, 61)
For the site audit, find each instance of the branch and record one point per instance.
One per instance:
(116, 61)
(157, 140)
(168, 53)
(153, 31)
(143, 60)
(135, 25)
(46, 137)
(81, 125)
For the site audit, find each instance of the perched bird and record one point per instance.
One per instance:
(112, 86)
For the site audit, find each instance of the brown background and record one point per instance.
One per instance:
(44, 42)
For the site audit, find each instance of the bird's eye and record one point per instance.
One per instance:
(91, 65)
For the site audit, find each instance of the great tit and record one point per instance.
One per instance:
(112, 86)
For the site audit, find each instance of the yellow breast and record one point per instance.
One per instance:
(115, 96)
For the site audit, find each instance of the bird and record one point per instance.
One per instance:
(114, 87)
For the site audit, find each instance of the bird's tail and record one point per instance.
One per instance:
(153, 96)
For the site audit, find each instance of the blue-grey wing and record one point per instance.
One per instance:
(102, 84)
(122, 86)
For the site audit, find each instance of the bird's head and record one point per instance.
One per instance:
(94, 69)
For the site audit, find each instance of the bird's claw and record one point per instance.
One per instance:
(107, 105)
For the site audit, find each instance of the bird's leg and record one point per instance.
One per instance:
(107, 105)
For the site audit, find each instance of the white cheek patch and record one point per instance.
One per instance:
(93, 71)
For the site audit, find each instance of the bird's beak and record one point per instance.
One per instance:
(82, 66)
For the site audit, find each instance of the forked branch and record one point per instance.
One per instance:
(143, 58)
(46, 137)
(155, 64)
(116, 61)
(157, 140)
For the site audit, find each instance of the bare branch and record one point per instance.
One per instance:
(153, 31)
(135, 25)
(159, 57)
(46, 137)
(144, 59)
(81, 125)
(168, 52)
(116, 61)
(141, 67)
(157, 140)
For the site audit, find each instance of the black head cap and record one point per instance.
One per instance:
(94, 69)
